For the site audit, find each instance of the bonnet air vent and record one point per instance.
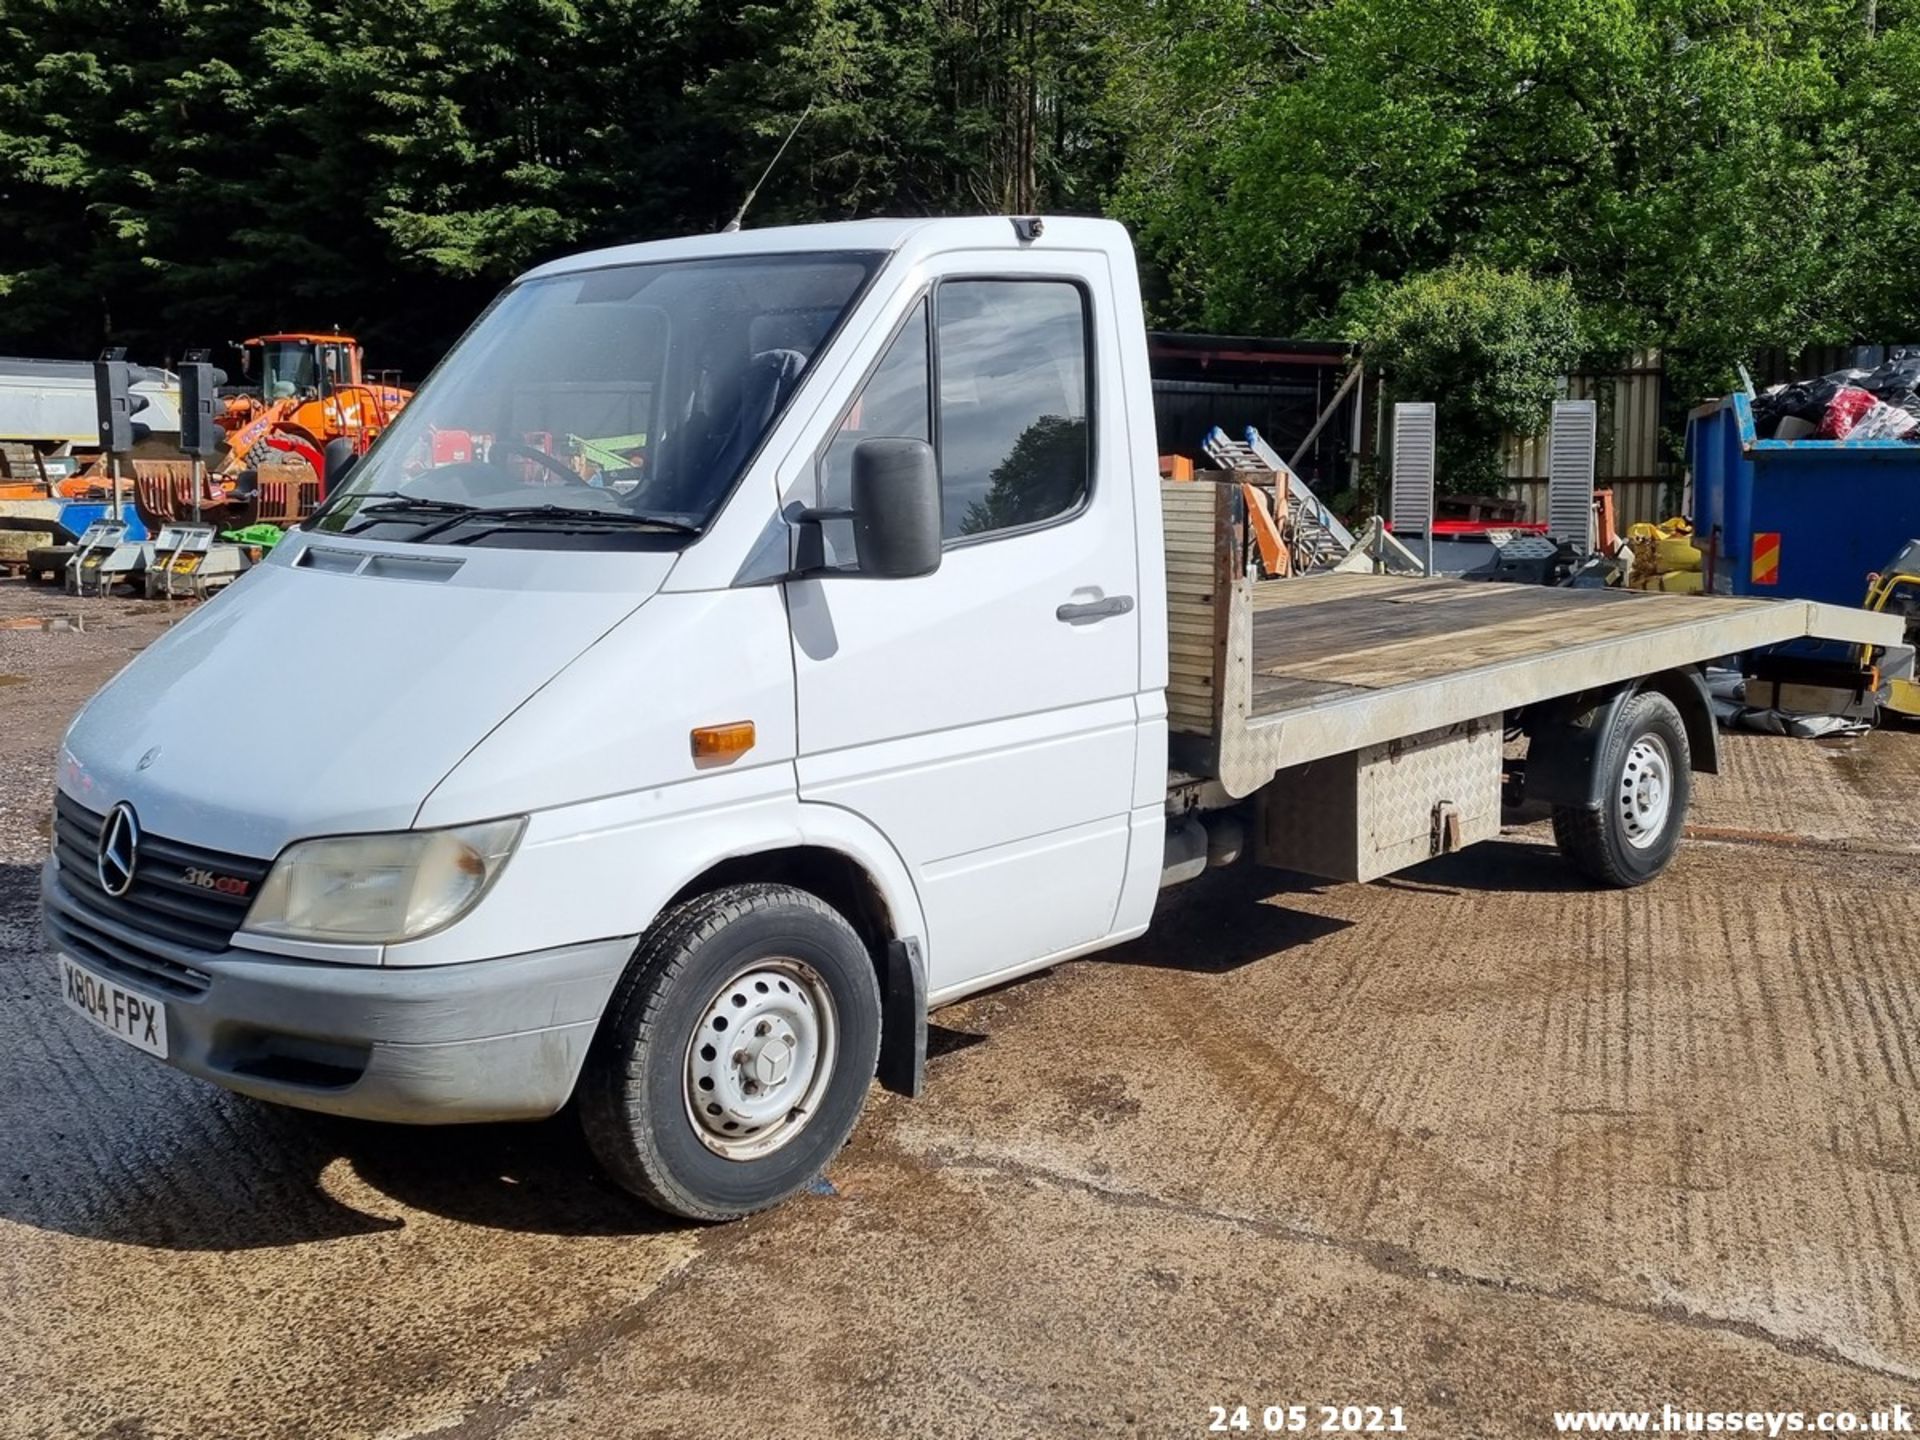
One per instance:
(319, 557)
(410, 567)
(379, 567)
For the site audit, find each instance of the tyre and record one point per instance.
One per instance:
(1631, 837)
(735, 1054)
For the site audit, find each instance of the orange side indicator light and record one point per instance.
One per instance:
(717, 744)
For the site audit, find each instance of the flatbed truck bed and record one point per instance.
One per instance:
(1270, 678)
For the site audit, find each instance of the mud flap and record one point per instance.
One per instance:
(903, 1020)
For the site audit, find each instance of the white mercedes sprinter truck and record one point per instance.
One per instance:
(744, 643)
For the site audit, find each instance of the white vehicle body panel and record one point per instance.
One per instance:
(605, 868)
(309, 702)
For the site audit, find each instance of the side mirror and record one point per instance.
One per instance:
(896, 508)
(337, 459)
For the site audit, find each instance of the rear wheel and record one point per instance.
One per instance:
(735, 1054)
(1648, 771)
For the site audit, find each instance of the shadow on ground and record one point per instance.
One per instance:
(1225, 920)
(100, 1141)
(238, 1175)
(1509, 866)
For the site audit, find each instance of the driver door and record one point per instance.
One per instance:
(983, 717)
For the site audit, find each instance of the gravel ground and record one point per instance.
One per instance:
(1475, 1141)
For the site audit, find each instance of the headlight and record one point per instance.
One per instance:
(380, 888)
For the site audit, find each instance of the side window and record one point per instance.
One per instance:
(893, 403)
(1015, 444)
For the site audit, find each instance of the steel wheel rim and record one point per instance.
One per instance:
(1644, 797)
(760, 1058)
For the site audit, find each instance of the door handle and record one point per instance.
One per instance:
(1095, 609)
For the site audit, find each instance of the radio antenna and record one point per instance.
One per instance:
(741, 214)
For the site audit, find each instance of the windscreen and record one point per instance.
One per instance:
(601, 409)
(287, 370)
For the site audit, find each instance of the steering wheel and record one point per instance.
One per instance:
(534, 452)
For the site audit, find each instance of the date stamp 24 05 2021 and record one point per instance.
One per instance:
(1306, 1419)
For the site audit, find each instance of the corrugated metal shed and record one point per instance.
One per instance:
(1278, 386)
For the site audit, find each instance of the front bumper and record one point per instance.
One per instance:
(500, 1039)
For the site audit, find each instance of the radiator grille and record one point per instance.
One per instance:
(184, 901)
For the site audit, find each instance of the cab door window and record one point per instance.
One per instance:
(1015, 443)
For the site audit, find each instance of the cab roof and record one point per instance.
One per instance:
(335, 339)
(922, 236)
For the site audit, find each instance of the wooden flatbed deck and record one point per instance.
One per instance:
(1317, 637)
(1285, 672)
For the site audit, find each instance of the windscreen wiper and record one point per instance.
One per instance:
(393, 503)
(394, 500)
(563, 518)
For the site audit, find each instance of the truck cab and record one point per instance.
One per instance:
(300, 365)
(595, 645)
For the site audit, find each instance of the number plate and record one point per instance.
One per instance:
(137, 1020)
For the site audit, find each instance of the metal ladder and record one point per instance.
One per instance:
(1319, 540)
(1231, 454)
(1262, 487)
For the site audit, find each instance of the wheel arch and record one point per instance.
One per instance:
(298, 431)
(876, 897)
(1687, 689)
(1564, 736)
(831, 875)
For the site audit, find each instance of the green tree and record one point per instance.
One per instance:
(929, 106)
(1714, 177)
(73, 193)
(229, 166)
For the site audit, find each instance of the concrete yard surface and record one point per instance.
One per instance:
(1477, 1141)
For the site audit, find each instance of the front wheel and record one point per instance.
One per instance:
(735, 1054)
(1648, 770)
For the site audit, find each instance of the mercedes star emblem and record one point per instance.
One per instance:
(119, 850)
